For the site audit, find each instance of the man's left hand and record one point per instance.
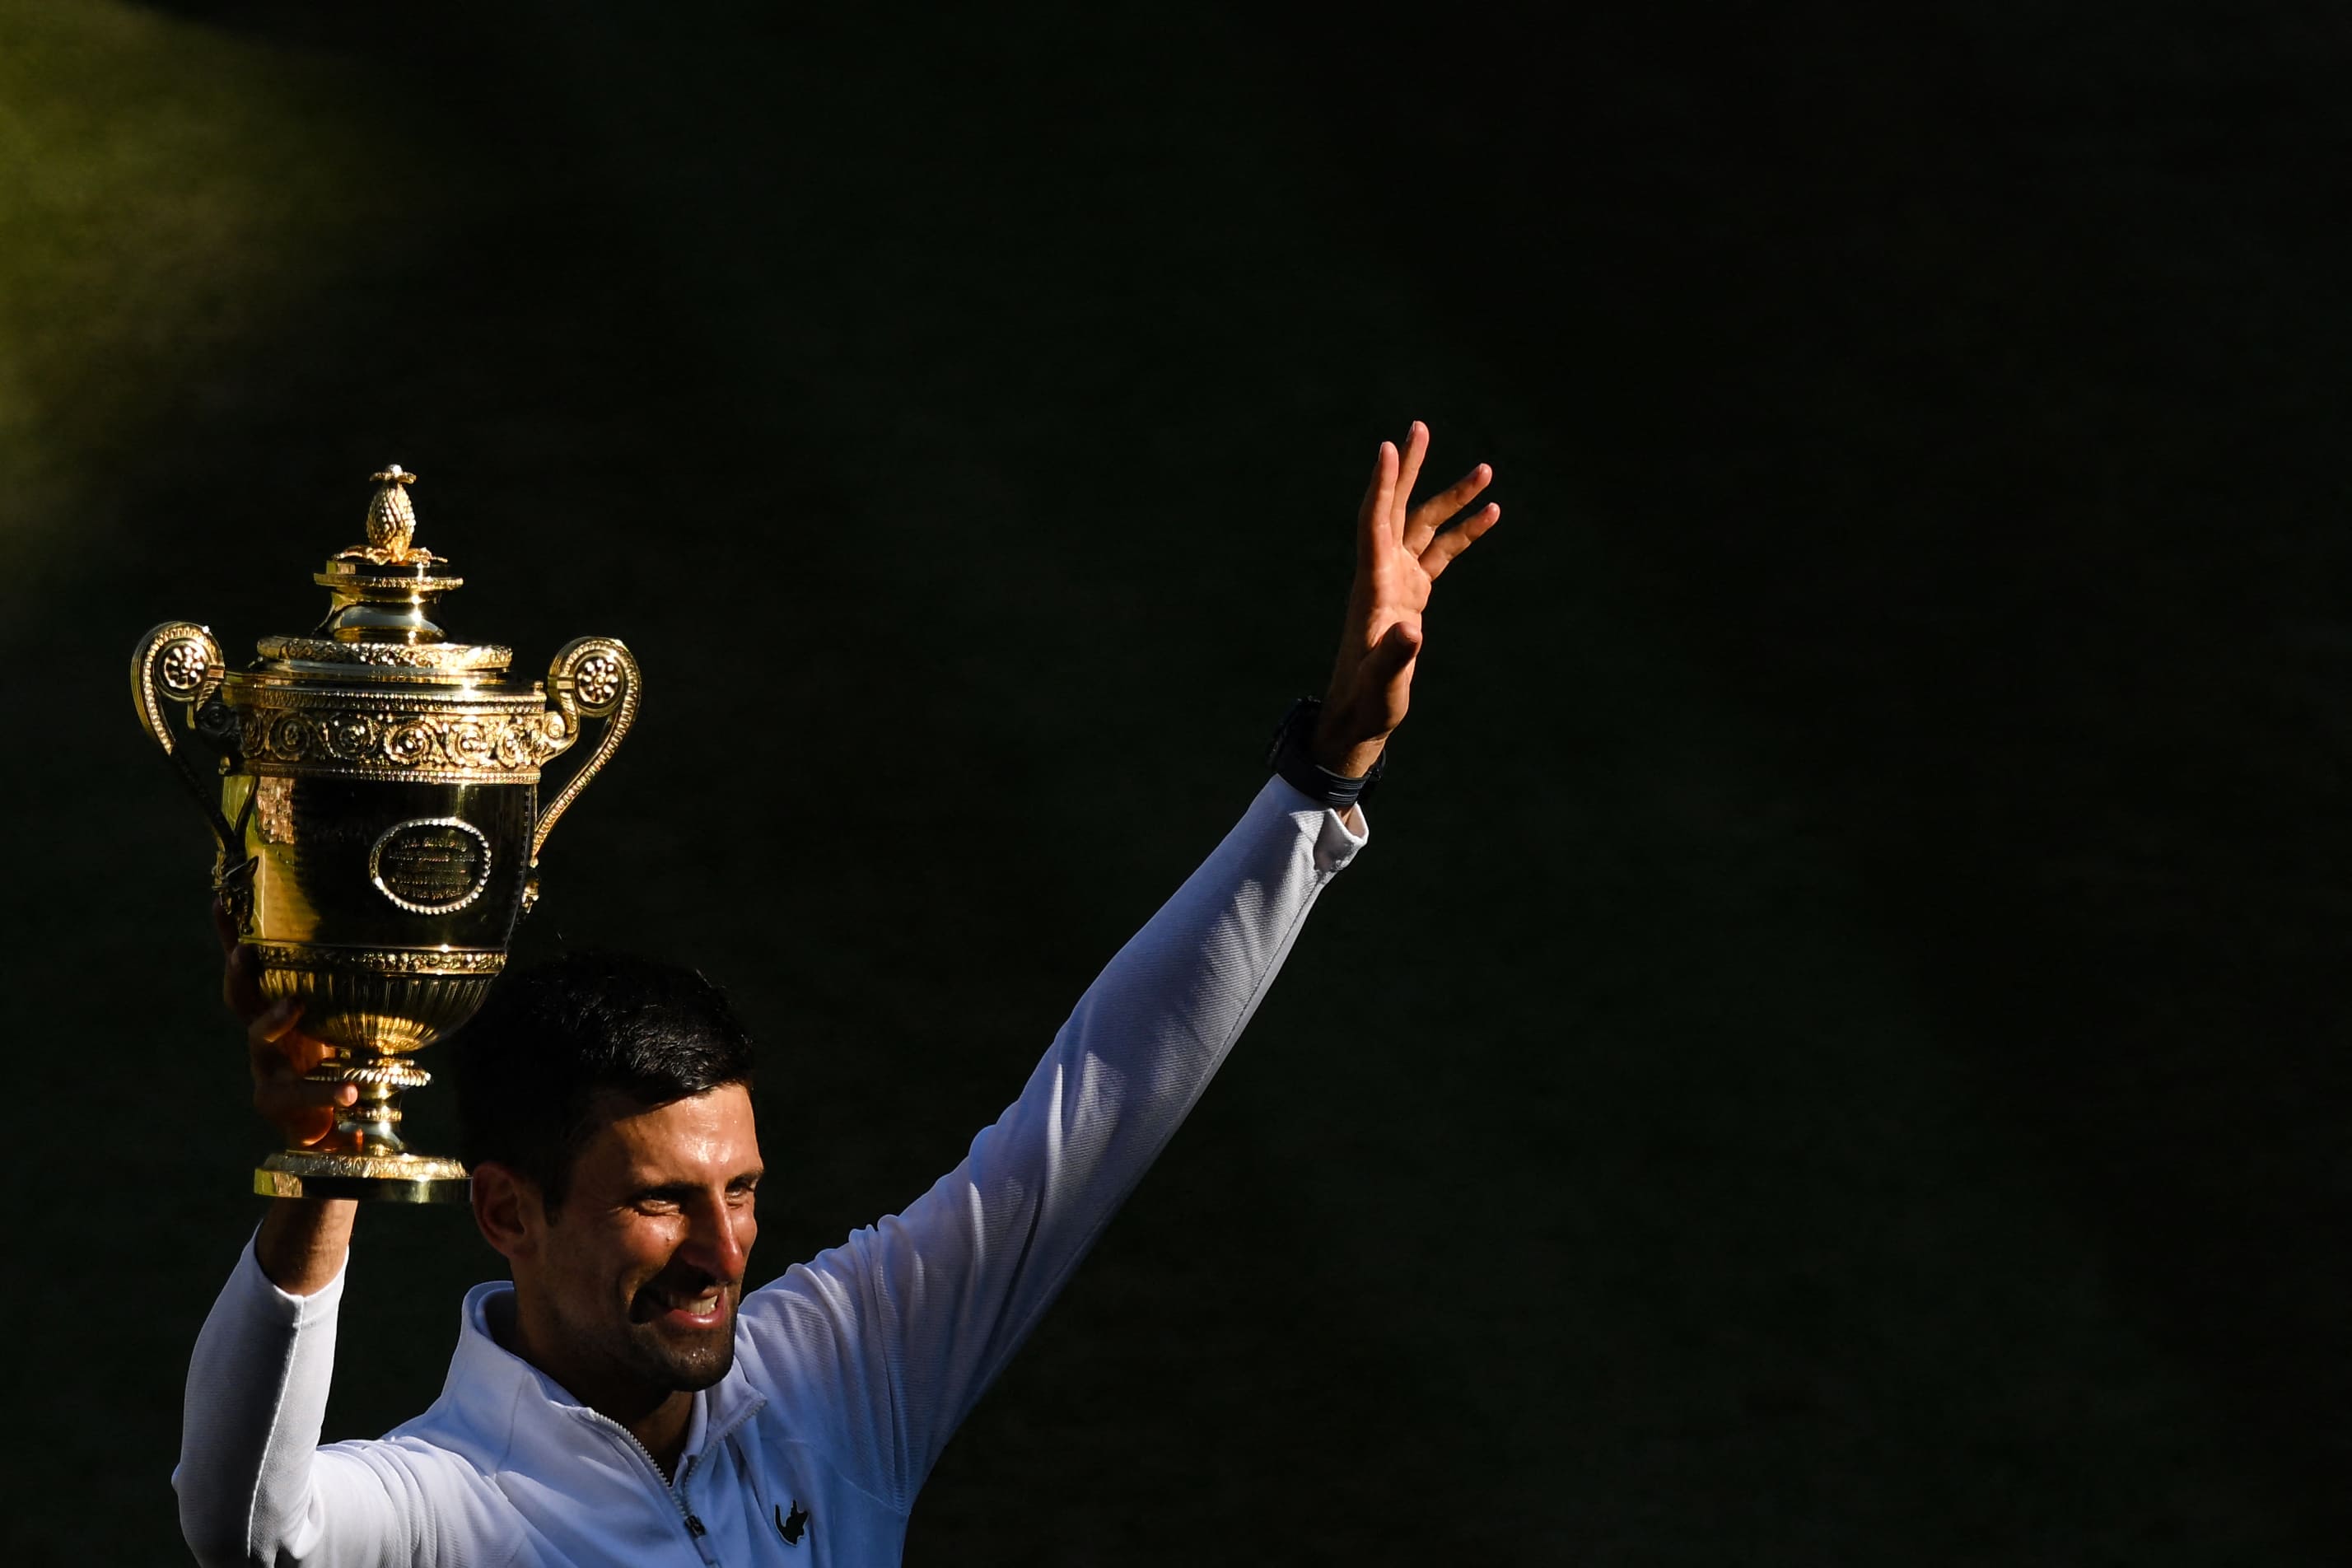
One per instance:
(1401, 549)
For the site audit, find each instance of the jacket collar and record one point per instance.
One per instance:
(491, 1390)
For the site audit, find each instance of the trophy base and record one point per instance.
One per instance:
(370, 1178)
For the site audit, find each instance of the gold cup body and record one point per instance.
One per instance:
(374, 793)
(387, 847)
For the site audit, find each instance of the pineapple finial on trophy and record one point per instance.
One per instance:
(390, 522)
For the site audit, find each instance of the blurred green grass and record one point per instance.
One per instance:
(167, 190)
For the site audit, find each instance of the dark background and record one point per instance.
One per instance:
(1833, 1056)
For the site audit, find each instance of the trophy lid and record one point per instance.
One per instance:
(385, 593)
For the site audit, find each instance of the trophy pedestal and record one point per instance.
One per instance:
(371, 1178)
(363, 1157)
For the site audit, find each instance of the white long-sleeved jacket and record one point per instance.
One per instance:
(852, 1370)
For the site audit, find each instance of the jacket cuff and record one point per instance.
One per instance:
(1336, 842)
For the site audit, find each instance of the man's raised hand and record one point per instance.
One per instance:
(1401, 549)
(303, 1241)
(276, 1050)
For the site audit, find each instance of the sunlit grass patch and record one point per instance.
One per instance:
(164, 189)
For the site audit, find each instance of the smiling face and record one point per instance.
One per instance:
(629, 1294)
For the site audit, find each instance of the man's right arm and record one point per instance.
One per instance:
(253, 1487)
(303, 1242)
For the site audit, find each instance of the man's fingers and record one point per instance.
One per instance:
(1441, 549)
(1397, 647)
(274, 1023)
(1416, 446)
(303, 1110)
(301, 1107)
(277, 1049)
(1386, 677)
(284, 1099)
(241, 981)
(1432, 514)
(1373, 518)
(241, 974)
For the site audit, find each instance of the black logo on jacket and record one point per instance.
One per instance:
(789, 1529)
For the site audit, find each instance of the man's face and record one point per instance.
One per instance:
(642, 1268)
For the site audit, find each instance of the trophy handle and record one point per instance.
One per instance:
(591, 678)
(180, 662)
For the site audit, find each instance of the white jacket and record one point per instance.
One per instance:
(851, 1371)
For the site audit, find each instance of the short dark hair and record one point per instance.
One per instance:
(555, 1039)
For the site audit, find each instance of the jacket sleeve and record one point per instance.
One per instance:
(885, 1342)
(253, 1486)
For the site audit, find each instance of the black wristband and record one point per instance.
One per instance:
(1289, 757)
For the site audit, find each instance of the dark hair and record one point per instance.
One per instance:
(554, 1038)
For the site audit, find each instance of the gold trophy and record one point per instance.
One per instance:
(374, 791)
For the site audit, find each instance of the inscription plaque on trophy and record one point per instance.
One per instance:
(372, 788)
(434, 866)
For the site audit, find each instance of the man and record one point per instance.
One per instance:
(623, 1401)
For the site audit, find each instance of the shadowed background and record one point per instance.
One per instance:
(1832, 1056)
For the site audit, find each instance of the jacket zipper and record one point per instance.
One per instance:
(695, 1528)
